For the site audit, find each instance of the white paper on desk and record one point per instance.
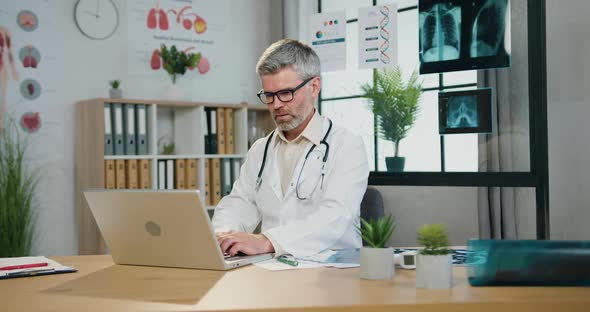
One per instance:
(51, 264)
(275, 265)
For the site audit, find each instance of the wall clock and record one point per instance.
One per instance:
(96, 19)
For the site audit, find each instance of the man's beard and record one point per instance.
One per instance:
(296, 122)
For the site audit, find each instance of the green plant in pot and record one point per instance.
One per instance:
(115, 92)
(17, 187)
(434, 261)
(395, 103)
(176, 62)
(376, 258)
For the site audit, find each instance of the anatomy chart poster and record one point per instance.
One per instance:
(377, 36)
(329, 39)
(28, 50)
(193, 26)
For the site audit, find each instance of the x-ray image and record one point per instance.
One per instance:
(465, 111)
(489, 26)
(463, 34)
(440, 32)
(462, 112)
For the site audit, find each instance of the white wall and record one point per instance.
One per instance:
(83, 69)
(568, 108)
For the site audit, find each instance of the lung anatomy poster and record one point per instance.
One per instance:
(191, 26)
(377, 36)
(27, 64)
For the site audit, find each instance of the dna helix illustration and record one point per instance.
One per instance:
(384, 34)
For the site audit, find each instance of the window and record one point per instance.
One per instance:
(341, 101)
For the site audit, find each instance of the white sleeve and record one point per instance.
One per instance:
(238, 211)
(338, 206)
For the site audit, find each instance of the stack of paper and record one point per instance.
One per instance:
(30, 266)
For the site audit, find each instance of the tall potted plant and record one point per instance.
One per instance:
(395, 104)
(434, 267)
(16, 194)
(376, 257)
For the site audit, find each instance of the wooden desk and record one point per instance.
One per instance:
(101, 286)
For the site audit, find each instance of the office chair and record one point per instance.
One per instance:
(372, 204)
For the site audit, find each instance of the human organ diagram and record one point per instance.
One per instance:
(29, 56)
(27, 20)
(157, 18)
(440, 33)
(30, 89)
(30, 122)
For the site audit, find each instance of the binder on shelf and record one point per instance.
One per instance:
(108, 131)
(131, 173)
(235, 172)
(170, 174)
(215, 181)
(141, 129)
(206, 127)
(129, 129)
(179, 172)
(226, 177)
(143, 171)
(207, 186)
(109, 174)
(212, 129)
(161, 174)
(220, 130)
(228, 120)
(120, 174)
(190, 171)
(117, 118)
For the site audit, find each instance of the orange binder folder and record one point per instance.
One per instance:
(131, 173)
(229, 131)
(109, 174)
(120, 173)
(190, 170)
(143, 171)
(179, 172)
(220, 130)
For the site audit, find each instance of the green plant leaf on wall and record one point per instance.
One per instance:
(17, 187)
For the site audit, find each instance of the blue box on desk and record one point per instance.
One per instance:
(528, 263)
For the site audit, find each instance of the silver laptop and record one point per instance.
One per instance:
(160, 228)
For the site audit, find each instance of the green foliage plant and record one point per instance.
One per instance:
(434, 238)
(17, 187)
(394, 102)
(115, 83)
(376, 232)
(176, 62)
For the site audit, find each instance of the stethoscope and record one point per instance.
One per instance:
(323, 172)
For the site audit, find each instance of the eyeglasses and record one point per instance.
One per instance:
(285, 95)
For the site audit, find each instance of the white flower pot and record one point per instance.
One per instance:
(434, 271)
(377, 263)
(115, 93)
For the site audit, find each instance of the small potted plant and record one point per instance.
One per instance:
(395, 104)
(376, 257)
(177, 62)
(115, 92)
(434, 266)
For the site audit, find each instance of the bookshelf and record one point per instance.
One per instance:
(179, 122)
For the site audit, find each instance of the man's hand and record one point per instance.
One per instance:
(250, 244)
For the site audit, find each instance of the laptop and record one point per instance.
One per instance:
(160, 228)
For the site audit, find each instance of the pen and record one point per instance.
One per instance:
(288, 260)
(23, 266)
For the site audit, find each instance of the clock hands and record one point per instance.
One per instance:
(90, 13)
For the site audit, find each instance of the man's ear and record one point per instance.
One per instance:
(316, 85)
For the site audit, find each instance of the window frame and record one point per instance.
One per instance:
(538, 175)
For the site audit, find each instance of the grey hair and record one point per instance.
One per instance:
(289, 52)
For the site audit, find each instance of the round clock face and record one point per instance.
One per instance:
(96, 19)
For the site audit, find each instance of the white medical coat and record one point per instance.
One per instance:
(327, 219)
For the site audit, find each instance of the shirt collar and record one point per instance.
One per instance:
(313, 131)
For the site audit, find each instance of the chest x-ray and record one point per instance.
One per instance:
(463, 34)
(488, 29)
(440, 32)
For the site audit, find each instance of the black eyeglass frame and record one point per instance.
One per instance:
(262, 95)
